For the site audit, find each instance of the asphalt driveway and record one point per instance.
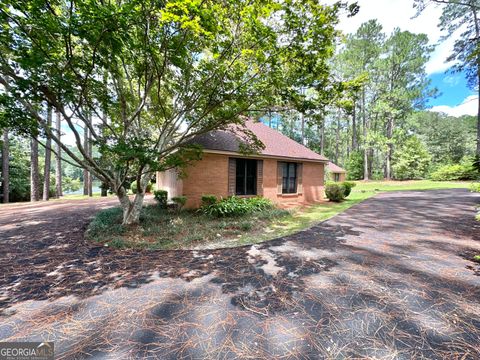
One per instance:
(386, 279)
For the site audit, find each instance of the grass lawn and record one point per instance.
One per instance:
(161, 229)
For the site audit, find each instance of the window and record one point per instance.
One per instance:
(337, 176)
(246, 177)
(289, 178)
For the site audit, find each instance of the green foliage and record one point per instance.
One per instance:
(347, 186)
(179, 201)
(335, 192)
(235, 206)
(354, 166)
(133, 187)
(161, 196)
(448, 139)
(411, 160)
(455, 172)
(106, 221)
(208, 200)
(475, 187)
(146, 66)
(163, 229)
(476, 258)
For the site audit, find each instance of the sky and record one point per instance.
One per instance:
(455, 97)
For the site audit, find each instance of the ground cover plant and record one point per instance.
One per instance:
(161, 228)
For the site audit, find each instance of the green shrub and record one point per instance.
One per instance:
(161, 196)
(475, 187)
(208, 200)
(348, 185)
(235, 206)
(354, 166)
(335, 192)
(179, 201)
(476, 258)
(133, 187)
(455, 172)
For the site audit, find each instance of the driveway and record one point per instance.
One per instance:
(385, 279)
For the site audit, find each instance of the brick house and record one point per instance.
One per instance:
(336, 173)
(285, 171)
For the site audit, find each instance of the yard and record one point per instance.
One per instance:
(161, 229)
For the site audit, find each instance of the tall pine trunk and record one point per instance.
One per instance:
(90, 176)
(34, 181)
(58, 158)
(86, 174)
(5, 167)
(388, 162)
(48, 156)
(365, 142)
(322, 138)
(478, 117)
(354, 129)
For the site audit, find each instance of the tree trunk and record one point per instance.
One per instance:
(303, 129)
(34, 183)
(132, 209)
(5, 167)
(86, 174)
(58, 159)
(478, 117)
(337, 138)
(322, 138)
(365, 142)
(90, 176)
(388, 162)
(354, 129)
(48, 155)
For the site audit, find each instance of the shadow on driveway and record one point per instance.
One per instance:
(384, 279)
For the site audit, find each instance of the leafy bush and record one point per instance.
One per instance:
(475, 187)
(106, 221)
(161, 196)
(179, 201)
(133, 187)
(411, 160)
(335, 192)
(348, 185)
(208, 200)
(235, 206)
(354, 166)
(455, 172)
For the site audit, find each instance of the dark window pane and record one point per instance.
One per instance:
(246, 177)
(240, 178)
(251, 177)
(289, 180)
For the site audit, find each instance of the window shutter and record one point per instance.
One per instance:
(299, 179)
(279, 177)
(232, 173)
(260, 177)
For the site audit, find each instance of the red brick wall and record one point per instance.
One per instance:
(210, 176)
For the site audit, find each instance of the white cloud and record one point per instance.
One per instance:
(468, 107)
(400, 13)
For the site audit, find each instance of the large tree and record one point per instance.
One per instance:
(154, 74)
(48, 157)
(5, 166)
(404, 84)
(462, 15)
(360, 57)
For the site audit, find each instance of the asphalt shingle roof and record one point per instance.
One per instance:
(276, 144)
